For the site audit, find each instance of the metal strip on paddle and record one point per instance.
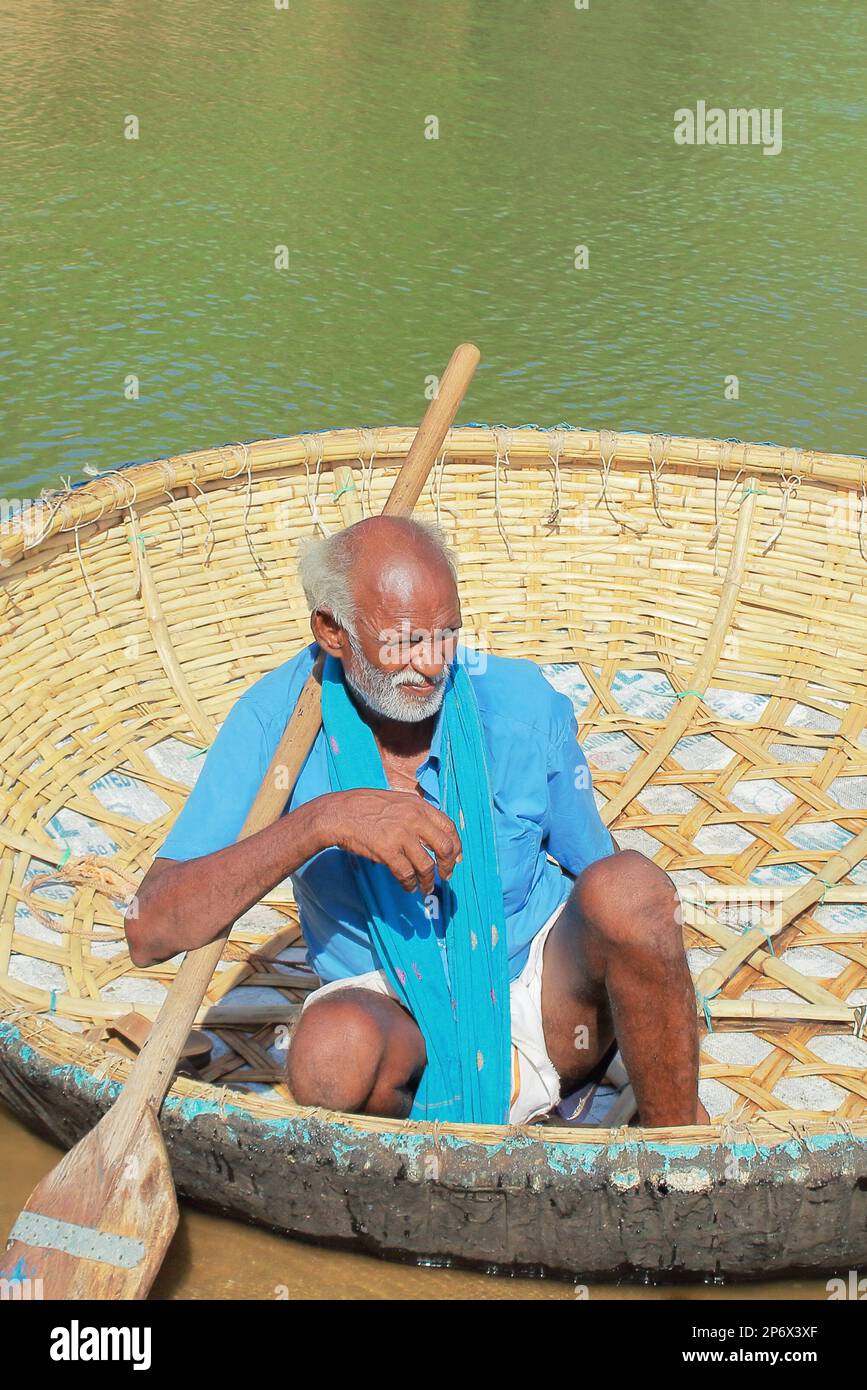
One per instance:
(87, 1242)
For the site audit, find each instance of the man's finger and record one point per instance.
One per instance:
(404, 871)
(421, 862)
(446, 856)
(443, 839)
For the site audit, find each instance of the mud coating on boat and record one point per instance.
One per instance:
(522, 1203)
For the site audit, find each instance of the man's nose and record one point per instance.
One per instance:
(427, 659)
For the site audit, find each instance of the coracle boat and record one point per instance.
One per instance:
(704, 605)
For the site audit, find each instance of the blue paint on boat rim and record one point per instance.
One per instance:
(564, 1156)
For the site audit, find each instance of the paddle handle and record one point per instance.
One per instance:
(154, 1069)
(431, 433)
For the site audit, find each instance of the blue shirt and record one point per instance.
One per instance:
(540, 782)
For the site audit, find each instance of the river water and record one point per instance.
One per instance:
(305, 128)
(281, 247)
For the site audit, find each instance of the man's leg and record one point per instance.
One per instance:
(614, 966)
(358, 1051)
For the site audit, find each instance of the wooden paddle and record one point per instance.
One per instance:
(98, 1226)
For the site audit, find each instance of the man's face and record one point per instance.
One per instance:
(406, 632)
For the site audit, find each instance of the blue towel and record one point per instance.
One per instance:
(463, 1012)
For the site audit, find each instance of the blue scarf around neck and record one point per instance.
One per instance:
(464, 1013)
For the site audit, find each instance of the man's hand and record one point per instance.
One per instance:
(394, 829)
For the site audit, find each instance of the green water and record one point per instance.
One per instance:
(306, 128)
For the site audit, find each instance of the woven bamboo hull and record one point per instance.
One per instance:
(134, 610)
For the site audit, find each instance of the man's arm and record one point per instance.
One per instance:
(182, 904)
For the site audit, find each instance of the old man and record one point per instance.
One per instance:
(483, 944)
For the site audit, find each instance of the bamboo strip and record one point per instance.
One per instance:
(204, 727)
(772, 924)
(762, 960)
(677, 725)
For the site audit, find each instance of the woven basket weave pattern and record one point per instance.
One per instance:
(135, 610)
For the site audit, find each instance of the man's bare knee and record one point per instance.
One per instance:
(355, 1051)
(627, 899)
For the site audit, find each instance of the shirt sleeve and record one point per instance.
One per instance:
(576, 834)
(217, 806)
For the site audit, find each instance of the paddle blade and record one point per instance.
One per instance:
(99, 1224)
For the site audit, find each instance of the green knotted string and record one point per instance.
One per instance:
(704, 1001)
(765, 933)
(748, 489)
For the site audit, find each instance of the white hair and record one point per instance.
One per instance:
(325, 568)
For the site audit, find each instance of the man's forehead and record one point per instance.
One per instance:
(415, 613)
(405, 580)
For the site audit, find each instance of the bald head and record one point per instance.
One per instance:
(390, 557)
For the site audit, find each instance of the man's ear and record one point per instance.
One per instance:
(328, 633)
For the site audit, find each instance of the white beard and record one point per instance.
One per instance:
(383, 695)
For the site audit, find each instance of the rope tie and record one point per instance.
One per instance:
(347, 487)
(682, 694)
(367, 458)
(825, 887)
(366, 484)
(607, 452)
(209, 539)
(704, 1004)
(137, 546)
(314, 441)
(84, 575)
(229, 477)
(789, 482)
(658, 459)
(53, 505)
(46, 508)
(246, 465)
(764, 931)
(502, 439)
(436, 487)
(117, 475)
(719, 517)
(436, 484)
(170, 483)
(555, 449)
(750, 491)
